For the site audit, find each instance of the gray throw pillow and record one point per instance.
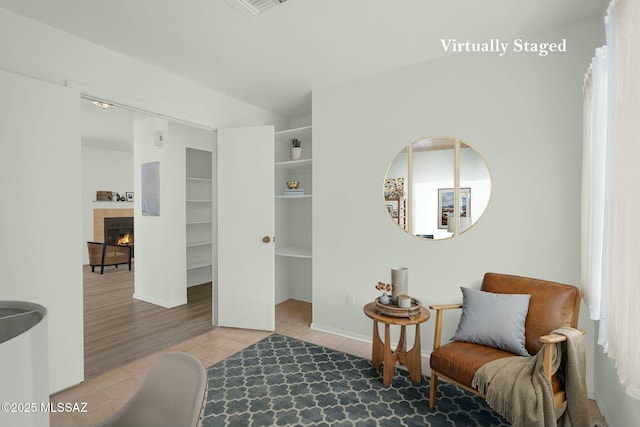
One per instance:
(494, 320)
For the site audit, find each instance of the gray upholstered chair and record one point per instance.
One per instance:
(173, 393)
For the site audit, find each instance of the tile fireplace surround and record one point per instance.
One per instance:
(98, 220)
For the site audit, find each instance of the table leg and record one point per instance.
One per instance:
(390, 358)
(401, 349)
(414, 359)
(376, 348)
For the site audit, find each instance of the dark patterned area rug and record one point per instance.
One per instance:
(281, 381)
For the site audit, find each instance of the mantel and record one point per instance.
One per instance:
(111, 205)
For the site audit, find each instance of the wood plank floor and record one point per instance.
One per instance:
(119, 329)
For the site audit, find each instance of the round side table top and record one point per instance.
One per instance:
(371, 311)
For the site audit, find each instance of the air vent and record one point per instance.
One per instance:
(255, 7)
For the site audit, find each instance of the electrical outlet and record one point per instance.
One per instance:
(350, 300)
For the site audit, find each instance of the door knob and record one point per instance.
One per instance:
(266, 239)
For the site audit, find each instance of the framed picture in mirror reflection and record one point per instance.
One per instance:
(446, 205)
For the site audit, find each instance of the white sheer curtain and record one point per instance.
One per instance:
(594, 181)
(611, 181)
(624, 318)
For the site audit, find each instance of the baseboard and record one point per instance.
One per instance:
(367, 339)
(161, 303)
(340, 332)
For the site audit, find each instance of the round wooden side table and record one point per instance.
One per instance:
(381, 352)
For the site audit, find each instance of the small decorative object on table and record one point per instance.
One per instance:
(384, 287)
(404, 301)
(395, 311)
(400, 282)
(405, 307)
(296, 150)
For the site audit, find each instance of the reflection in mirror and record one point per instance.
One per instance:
(437, 187)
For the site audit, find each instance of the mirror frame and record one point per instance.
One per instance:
(407, 227)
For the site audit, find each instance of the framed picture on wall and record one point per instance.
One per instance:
(445, 205)
(129, 196)
(150, 186)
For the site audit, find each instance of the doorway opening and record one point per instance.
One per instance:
(117, 327)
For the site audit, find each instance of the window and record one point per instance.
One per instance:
(611, 206)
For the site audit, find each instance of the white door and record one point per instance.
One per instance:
(246, 270)
(42, 200)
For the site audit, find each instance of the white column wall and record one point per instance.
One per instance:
(161, 258)
(160, 272)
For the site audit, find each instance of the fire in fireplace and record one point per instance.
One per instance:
(125, 240)
(118, 231)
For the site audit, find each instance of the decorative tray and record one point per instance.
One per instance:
(395, 311)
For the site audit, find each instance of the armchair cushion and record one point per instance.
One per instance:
(494, 320)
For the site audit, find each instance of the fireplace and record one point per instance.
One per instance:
(118, 231)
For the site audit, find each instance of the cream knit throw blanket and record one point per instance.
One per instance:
(517, 388)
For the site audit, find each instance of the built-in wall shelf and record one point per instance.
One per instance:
(195, 245)
(199, 214)
(294, 164)
(303, 133)
(195, 266)
(294, 252)
(293, 216)
(294, 196)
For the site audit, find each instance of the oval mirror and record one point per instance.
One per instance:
(437, 188)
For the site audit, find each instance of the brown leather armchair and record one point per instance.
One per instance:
(551, 306)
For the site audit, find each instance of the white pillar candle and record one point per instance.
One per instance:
(404, 301)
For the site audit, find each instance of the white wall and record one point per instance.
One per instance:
(522, 112)
(297, 122)
(161, 263)
(102, 170)
(41, 223)
(617, 408)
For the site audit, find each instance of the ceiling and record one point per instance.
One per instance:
(110, 129)
(276, 59)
